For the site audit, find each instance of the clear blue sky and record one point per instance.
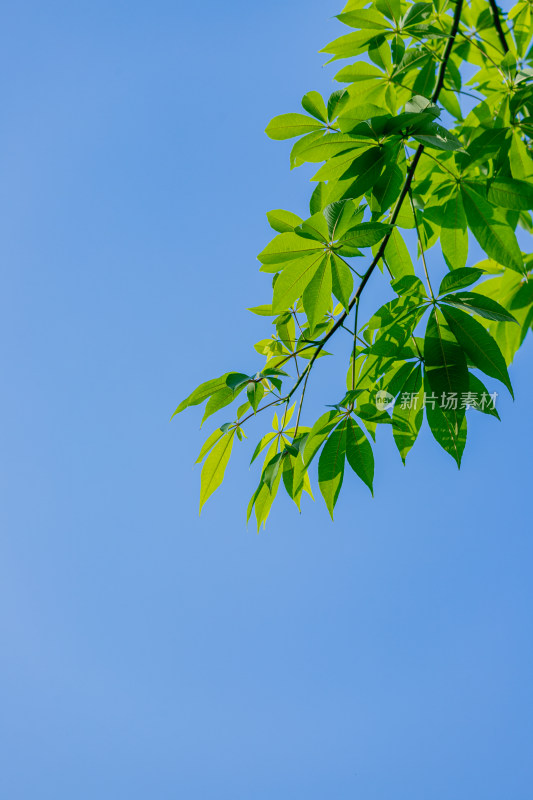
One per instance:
(150, 653)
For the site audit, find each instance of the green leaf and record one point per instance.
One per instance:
(299, 148)
(359, 453)
(315, 228)
(479, 345)
(341, 216)
(366, 18)
(460, 278)
(337, 101)
(365, 235)
(266, 440)
(519, 158)
(439, 138)
(219, 400)
(480, 305)
(318, 434)
(451, 439)
(317, 294)
(360, 71)
(283, 221)
(408, 413)
(490, 228)
(511, 193)
(419, 104)
(454, 234)
(333, 144)
(387, 189)
(270, 473)
(255, 392)
(341, 281)
(331, 466)
(483, 402)
(294, 279)
(234, 380)
(313, 103)
(201, 393)
(209, 443)
(416, 14)
(397, 255)
(445, 368)
(363, 173)
(318, 198)
(214, 467)
(286, 247)
(392, 8)
(262, 311)
(286, 126)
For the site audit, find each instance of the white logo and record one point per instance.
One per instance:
(384, 400)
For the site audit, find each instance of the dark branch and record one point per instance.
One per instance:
(498, 25)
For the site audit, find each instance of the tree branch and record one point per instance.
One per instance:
(405, 191)
(498, 25)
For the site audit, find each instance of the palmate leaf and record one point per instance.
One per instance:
(372, 142)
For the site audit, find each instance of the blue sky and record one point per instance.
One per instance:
(150, 652)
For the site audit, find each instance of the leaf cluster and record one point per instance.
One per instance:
(428, 135)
